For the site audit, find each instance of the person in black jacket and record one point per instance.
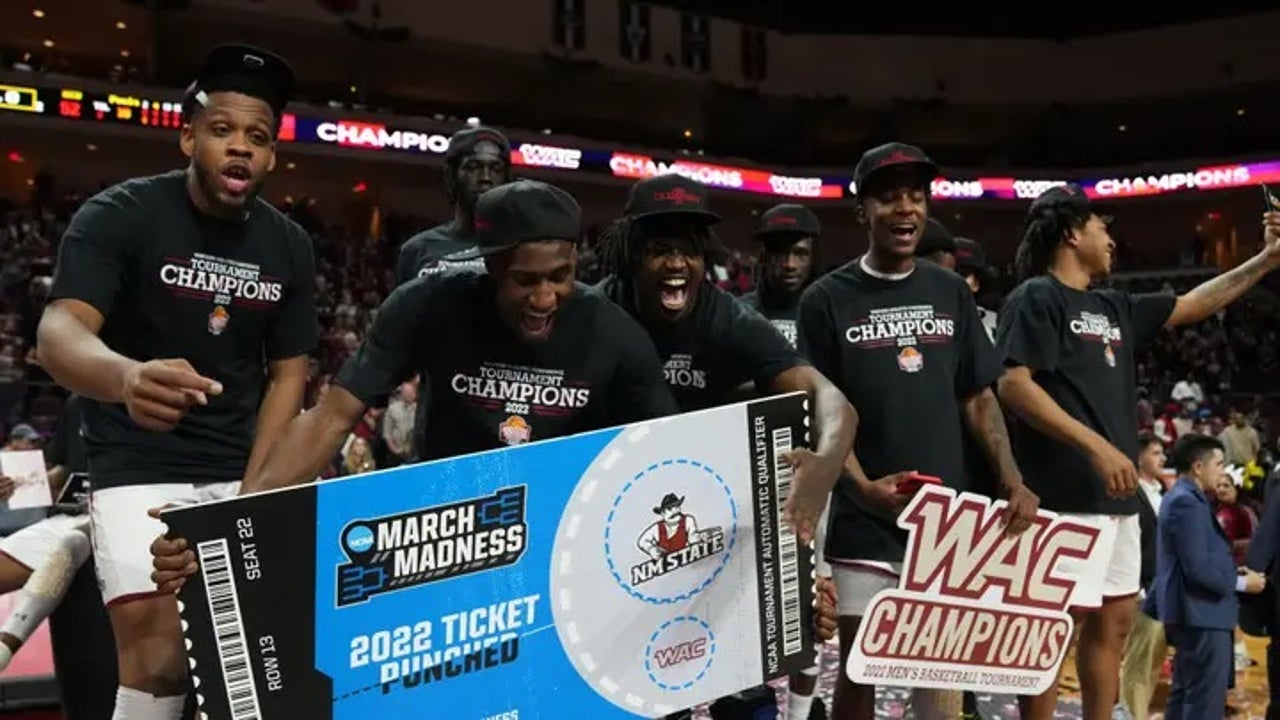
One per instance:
(1146, 648)
(1262, 556)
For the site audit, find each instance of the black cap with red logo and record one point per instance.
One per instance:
(522, 211)
(669, 195)
(893, 156)
(464, 141)
(788, 219)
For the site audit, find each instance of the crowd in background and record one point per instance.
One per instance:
(1192, 379)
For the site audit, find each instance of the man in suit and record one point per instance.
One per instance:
(1194, 592)
(1145, 650)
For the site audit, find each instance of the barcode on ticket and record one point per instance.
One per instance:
(228, 628)
(788, 554)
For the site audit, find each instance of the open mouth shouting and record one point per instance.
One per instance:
(536, 326)
(236, 177)
(673, 293)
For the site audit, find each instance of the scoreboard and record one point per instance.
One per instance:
(77, 104)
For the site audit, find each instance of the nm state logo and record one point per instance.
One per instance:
(425, 545)
(671, 531)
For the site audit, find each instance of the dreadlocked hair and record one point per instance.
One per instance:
(1046, 228)
(622, 243)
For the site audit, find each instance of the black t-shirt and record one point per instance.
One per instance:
(490, 389)
(714, 349)
(423, 254)
(779, 310)
(67, 447)
(1080, 347)
(172, 282)
(904, 351)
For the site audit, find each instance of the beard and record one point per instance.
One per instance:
(217, 200)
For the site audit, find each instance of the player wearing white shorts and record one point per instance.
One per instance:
(655, 259)
(40, 560)
(1070, 381)
(182, 311)
(851, 328)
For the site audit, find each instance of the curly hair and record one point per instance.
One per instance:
(622, 243)
(1046, 228)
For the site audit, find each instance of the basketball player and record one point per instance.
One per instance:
(1070, 381)
(971, 264)
(182, 312)
(526, 313)
(525, 317)
(788, 235)
(970, 261)
(478, 158)
(40, 560)
(655, 260)
(903, 340)
(710, 345)
(937, 245)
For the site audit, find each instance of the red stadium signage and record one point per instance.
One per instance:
(975, 609)
(162, 110)
(376, 136)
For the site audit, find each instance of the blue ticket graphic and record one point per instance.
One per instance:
(629, 572)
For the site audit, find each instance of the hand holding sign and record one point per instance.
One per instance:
(977, 608)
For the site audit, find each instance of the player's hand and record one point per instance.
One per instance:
(1271, 230)
(1254, 582)
(1022, 509)
(825, 618)
(882, 495)
(7, 486)
(158, 393)
(1116, 470)
(172, 560)
(811, 484)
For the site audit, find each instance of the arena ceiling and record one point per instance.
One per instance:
(1061, 22)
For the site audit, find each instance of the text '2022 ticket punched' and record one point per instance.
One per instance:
(629, 572)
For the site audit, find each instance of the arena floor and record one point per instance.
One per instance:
(1248, 699)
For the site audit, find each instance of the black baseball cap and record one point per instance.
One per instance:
(936, 237)
(1069, 198)
(669, 195)
(243, 69)
(788, 219)
(464, 141)
(970, 256)
(889, 156)
(522, 211)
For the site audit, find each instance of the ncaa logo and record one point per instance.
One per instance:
(358, 539)
(679, 653)
(671, 531)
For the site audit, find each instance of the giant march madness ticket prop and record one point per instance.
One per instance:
(629, 572)
(976, 609)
